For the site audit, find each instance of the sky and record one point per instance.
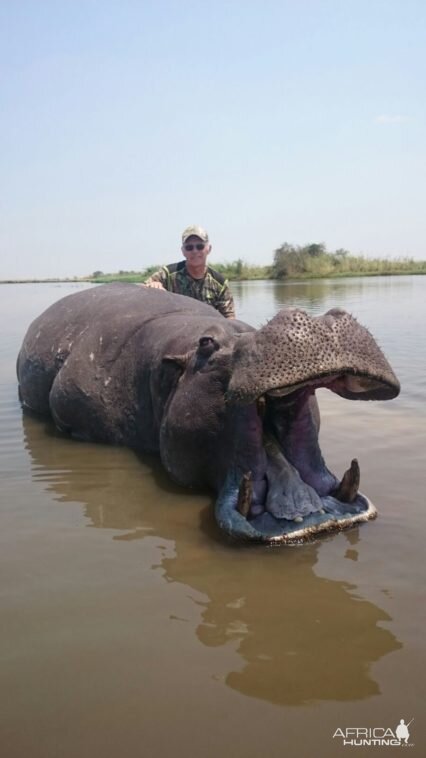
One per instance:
(122, 122)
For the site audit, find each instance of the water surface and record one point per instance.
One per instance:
(129, 627)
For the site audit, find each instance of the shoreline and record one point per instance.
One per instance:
(135, 279)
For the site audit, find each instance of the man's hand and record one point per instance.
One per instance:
(156, 285)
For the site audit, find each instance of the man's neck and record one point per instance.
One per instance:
(197, 272)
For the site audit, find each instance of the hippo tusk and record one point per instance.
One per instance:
(348, 488)
(227, 515)
(245, 494)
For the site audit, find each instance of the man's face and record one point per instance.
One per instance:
(196, 251)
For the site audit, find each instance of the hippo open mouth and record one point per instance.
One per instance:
(291, 495)
(287, 494)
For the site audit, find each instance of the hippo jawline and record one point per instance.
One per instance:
(303, 498)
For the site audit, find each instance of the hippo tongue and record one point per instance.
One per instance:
(288, 496)
(294, 349)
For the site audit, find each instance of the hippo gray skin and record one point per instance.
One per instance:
(226, 406)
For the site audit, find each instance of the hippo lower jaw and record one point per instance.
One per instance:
(274, 531)
(294, 497)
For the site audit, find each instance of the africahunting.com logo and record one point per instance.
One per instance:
(375, 736)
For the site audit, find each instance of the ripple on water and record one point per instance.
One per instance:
(11, 435)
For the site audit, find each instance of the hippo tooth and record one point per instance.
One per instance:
(347, 490)
(298, 519)
(261, 405)
(245, 494)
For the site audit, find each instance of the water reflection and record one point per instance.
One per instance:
(309, 642)
(300, 638)
(256, 301)
(314, 295)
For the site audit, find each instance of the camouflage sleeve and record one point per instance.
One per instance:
(225, 302)
(158, 276)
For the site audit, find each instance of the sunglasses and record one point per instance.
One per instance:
(199, 246)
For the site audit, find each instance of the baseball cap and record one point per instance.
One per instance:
(195, 231)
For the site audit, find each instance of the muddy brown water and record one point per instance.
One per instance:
(129, 627)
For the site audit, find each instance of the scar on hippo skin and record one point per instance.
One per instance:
(226, 406)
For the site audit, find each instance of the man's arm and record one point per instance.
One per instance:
(225, 302)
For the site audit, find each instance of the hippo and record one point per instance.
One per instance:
(226, 406)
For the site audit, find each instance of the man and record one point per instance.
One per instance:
(193, 277)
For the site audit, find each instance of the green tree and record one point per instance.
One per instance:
(288, 261)
(315, 250)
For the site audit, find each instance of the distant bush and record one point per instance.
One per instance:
(293, 261)
(122, 276)
(238, 270)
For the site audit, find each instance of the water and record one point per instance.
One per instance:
(129, 627)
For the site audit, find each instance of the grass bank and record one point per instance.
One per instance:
(290, 262)
(295, 262)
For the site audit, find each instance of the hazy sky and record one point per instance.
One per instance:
(290, 120)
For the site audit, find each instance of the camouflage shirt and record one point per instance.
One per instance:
(212, 288)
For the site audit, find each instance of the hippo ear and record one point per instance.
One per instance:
(179, 360)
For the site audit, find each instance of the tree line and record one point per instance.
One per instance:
(294, 262)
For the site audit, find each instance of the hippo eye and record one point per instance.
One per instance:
(207, 345)
(206, 341)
